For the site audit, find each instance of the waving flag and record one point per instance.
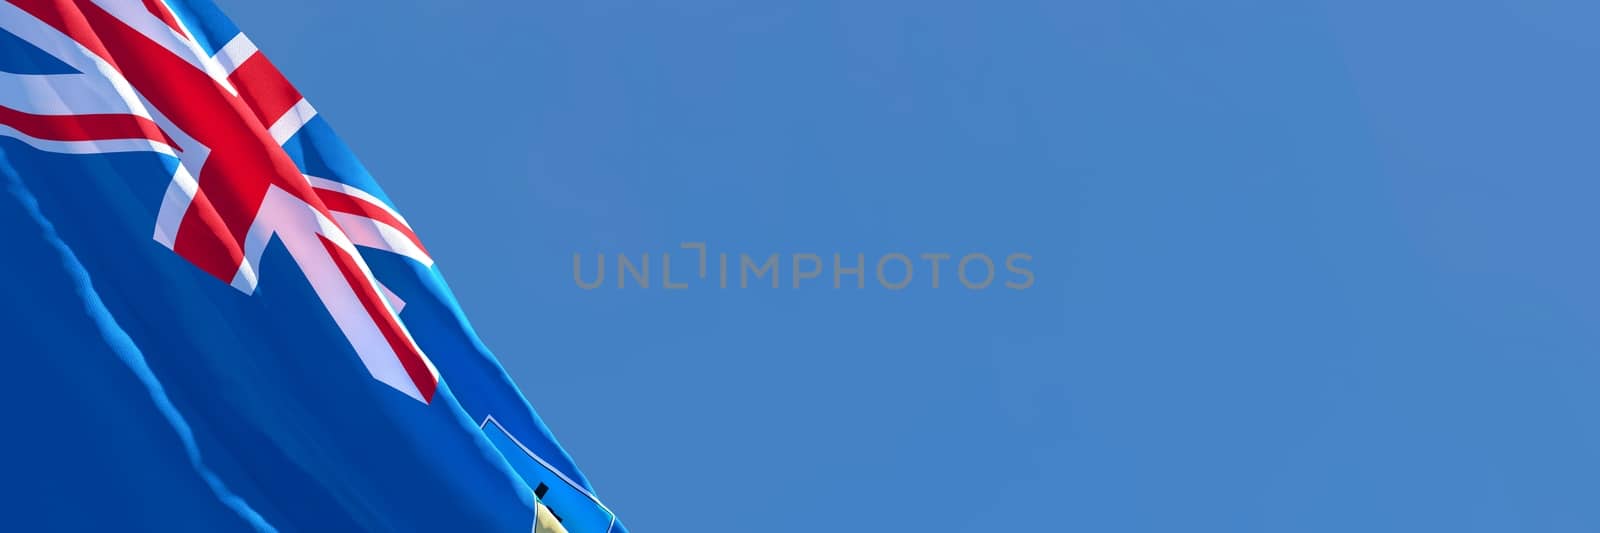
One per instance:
(234, 282)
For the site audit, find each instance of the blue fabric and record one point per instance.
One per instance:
(281, 408)
(93, 441)
(19, 57)
(149, 396)
(210, 27)
(441, 329)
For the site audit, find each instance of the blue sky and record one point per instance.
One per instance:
(1301, 266)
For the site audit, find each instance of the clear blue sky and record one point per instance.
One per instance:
(1301, 266)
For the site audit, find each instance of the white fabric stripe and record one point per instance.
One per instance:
(104, 146)
(63, 94)
(292, 120)
(339, 238)
(394, 299)
(13, 19)
(18, 22)
(233, 54)
(281, 214)
(180, 191)
(184, 31)
(136, 16)
(337, 235)
(37, 33)
(179, 194)
(324, 183)
(370, 233)
(297, 226)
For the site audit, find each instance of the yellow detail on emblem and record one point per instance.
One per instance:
(544, 522)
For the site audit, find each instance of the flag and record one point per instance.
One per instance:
(228, 280)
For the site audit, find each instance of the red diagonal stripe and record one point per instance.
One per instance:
(60, 14)
(244, 160)
(355, 205)
(161, 12)
(410, 357)
(95, 127)
(264, 88)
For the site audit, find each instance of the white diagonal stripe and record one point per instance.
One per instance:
(235, 53)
